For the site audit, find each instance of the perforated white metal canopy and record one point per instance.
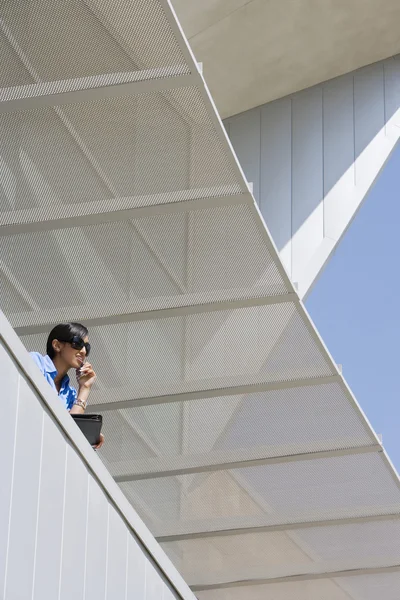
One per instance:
(227, 423)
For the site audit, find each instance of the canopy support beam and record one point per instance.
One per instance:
(201, 394)
(200, 535)
(300, 577)
(53, 217)
(174, 469)
(191, 304)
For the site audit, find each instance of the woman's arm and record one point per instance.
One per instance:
(77, 409)
(85, 377)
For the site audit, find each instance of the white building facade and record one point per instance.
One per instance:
(237, 465)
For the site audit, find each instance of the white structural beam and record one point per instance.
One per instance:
(201, 394)
(85, 89)
(115, 209)
(300, 577)
(154, 308)
(178, 465)
(199, 535)
(313, 158)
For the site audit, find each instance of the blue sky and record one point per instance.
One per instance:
(355, 305)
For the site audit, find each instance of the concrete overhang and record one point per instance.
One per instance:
(255, 51)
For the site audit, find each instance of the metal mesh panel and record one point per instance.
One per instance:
(201, 351)
(42, 164)
(370, 587)
(325, 589)
(134, 260)
(231, 428)
(127, 147)
(313, 490)
(374, 542)
(61, 39)
(11, 299)
(285, 553)
(13, 71)
(125, 436)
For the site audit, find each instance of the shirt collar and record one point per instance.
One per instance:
(50, 368)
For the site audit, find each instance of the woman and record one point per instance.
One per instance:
(68, 348)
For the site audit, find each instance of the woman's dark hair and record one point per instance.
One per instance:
(64, 332)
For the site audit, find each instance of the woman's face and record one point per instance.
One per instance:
(73, 357)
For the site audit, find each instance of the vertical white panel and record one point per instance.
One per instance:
(320, 151)
(50, 515)
(96, 546)
(392, 96)
(116, 556)
(339, 184)
(154, 583)
(136, 577)
(338, 129)
(66, 540)
(369, 113)
(276, 174)
(21, 551)
(9, 401)
(307, 178)
(74, 529)
(244, 131)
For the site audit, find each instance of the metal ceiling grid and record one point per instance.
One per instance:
(65, 39)
(322, 488)
(360, 586)
(144, 266)
(126, 148)
(285, 553)
(229, 427)
(197, 350)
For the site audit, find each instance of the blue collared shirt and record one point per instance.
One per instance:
(67, 393)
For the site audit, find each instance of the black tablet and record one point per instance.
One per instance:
(90, 425)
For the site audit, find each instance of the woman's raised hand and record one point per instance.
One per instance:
(85, 376)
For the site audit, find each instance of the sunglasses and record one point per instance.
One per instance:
(77, 343)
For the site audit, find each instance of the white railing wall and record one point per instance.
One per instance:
(66, 530)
